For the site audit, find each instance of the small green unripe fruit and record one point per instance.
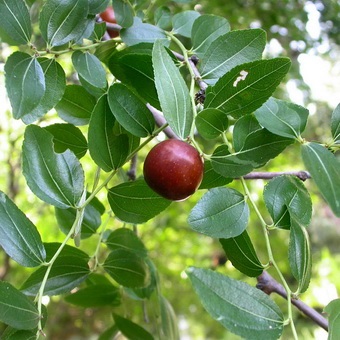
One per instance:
(173, 169)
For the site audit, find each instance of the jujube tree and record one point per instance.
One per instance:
(188, 77)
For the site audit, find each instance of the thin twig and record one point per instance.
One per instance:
(303, 175)
(269, 285)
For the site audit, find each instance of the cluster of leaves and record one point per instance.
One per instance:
(248, 126)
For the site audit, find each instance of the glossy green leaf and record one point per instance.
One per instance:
(285, 196)
(62, 20)
(229, 165)
(25, 83)
(241, 308)
(127, 268)
(130, 111)
(220, 213)
(89, 68)
(211, 178)
(130, 329)
(332, 309)
(172, 91)
(163, 17)
(16, 309)
(67, 136)
(246, 87)
(243, 127)
(206, 29)
(109, 333)
(98, 6)
(141, 32)
(124, 12)
(95, 296)
(229, 50)
(282, 118)
(15, 23)
(141, 79)
(335, 124)
(182, 22)
(169, 325)
(98, 32)
(325, 170)
(135, 202)
(55, 83)
(19, 335)
(19, 237)
(68, 271)
(56, 178)
(241, 253)
(107, 149)
(124, 238)
(300, 258)
(76, 105)
(210, 123)
(260, 146)
(90, 223)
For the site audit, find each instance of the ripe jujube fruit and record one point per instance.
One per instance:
(173, 169)
(109, 16)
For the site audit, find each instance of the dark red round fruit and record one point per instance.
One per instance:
(109, 16)
(173, 169)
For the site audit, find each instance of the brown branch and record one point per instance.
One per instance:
(303, 175)
(269, 285)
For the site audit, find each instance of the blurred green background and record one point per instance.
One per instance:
(305, 31)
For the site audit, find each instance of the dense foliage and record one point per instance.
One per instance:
(90, 101)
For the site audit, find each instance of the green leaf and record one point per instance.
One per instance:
(332, 309)
(243, 127)
(109, 333)
(163, 17)
(95, 296)
(55, 83)
(25, 83)
(285, 196)
(282, 118)
(260, 146)
(130, 329)
(89, 68)
(211, 178)
(241, 253)
(19, 335)
(130, 111)
(107, 149)
(124, 238)
(56, 178)
(98, 32)
(19, 237)
(68, 271)
(173, 93)
(90, 223)
(229, 165)
(210, 123)
(124, 12)
(76, 105)
(67, 136)
(230, 50)
(182, 22)
(220, 213)
(169, 321)
(140, 32)
(62, 20)
(241, 308)
(127, 268)
(16, 310)
(324, 168)
(15, 23)
(300, 258)
(97, 6)
(247, 86)
(141, 79)
(134, 202)
(335, 124)
(205, 30)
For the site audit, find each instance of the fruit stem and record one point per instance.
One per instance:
(271, 257)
